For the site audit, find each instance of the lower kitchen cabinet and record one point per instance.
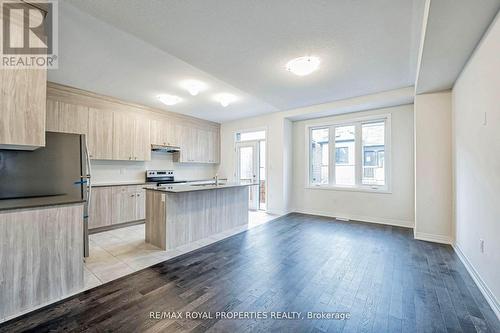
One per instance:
(100, 207)
(113, 205)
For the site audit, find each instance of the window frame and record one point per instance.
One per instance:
(358, 155)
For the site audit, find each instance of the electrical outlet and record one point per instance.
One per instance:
(481, 245)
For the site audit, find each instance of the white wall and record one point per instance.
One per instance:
(129, 172)
(391, 208)
(433, 197)
(476, 160)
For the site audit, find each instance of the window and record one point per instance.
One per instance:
(250, 136)
(373, 153)
(319, 155)
(351, 155)
(345, 171)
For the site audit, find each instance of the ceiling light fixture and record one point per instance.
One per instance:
(169, 99)
(303, 66)
(225, 99)
(194, 86)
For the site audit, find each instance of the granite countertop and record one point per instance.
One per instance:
(26, 203)
(120, 184)
(192, 188)
(146, 183)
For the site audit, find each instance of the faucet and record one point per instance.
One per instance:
(216, 180)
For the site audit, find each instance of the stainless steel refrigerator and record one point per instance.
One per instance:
(60, 170)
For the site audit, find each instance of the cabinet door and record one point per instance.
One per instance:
(100, 207)
(184, 135)
(123, 204)
(73, 118)
(213, 147)
(22, 106)
(23, 94)
(100, 134)
(140, 203)
(171, 133)
(201, 150)
(123, 135)
(142, 144)
(52, 116)
(158, 132)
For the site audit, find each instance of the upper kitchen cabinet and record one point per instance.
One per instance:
(67, 118)
(131, 139)
(163, 132)
(198, 145)
(100, 134)
(22, 104)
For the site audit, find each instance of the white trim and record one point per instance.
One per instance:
(483, 287)
(432, 238)
(359, 218)
(363, 188)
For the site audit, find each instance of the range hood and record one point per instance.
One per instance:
(165, 149)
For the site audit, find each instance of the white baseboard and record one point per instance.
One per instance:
(490, 298)
(432, 238)
(378, 220)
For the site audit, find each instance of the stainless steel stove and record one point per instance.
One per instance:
(162, 177)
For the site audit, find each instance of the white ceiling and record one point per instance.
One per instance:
(453, 30)
(146, 47)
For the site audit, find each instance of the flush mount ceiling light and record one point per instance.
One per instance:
(225, 99)
(303, 66)
(193, 86)
(169, 99)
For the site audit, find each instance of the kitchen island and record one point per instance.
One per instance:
(181, 214)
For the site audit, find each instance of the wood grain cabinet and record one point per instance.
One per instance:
(126, 204)
(100, 134)
(67, 118)
(41, 256)
(131, 139)
(22, 103)
(100, 207)
(116, 130)
(198, 145)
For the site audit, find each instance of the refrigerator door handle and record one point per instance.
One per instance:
(88, 175)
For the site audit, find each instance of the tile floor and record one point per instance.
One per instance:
(119, 252)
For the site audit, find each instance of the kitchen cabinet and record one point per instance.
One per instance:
(111, 205)
(142, 145)
(163, 132)
(128, 203)
(140, 196)
(100, 134)
(123, 204)
(117, 130)
(66, 118)
(100, 207)
(130, 137)
(22, 104)
(198, 145)
(213, 146)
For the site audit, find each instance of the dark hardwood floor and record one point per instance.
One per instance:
(384, 279)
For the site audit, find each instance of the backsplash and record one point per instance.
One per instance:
(131, 171)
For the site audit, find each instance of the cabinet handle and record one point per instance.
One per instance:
(132, 195)
(130, 157)
(135, 158)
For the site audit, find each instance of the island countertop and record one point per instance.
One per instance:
(191, 188)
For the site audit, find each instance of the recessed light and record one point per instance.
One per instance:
(193, 86)
(303, 66)
(169, 99)
(225, 99)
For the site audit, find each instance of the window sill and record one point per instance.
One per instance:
(349, 189)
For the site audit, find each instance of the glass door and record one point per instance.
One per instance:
(248, 169)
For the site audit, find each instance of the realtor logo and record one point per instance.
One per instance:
(29, 34)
